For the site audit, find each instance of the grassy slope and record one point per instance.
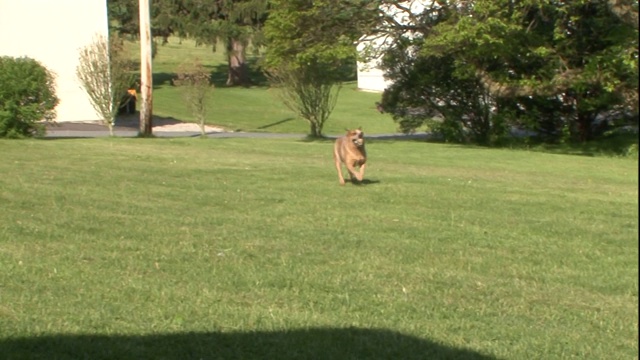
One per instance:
(256, 108)
(243, 248)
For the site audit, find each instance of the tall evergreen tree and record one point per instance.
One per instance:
(234, 23)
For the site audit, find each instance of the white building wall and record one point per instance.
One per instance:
(52, 32)
(370, 76)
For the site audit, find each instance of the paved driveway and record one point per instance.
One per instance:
(130, 129)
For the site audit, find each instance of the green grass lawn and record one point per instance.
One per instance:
(249, 249)
(256, 108)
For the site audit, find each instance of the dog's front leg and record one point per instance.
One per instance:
(353, 175)
(339, 168)
(361, 172)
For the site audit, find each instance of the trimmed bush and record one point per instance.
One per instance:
(195, 81)
(27, 95)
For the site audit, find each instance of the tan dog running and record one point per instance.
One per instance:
(349, 149)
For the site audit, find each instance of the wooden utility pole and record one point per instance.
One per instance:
(146, 80)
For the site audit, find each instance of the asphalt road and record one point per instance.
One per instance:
(93, 130)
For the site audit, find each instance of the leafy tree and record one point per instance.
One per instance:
(310, 51)
(597, 55)
(429, 92)
(429, 88)
(574, 59)
(27, 96)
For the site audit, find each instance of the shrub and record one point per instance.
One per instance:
(105, 73)
(307, 91)
(195, 81)
(27, 95)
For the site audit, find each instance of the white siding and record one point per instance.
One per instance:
(52, 32)
(370, 76)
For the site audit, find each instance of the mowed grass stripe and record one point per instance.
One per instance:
(506, 253)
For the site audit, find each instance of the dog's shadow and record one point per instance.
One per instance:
(364, 182)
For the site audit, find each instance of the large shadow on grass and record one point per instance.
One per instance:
(364, 182)
(325, 343)
(163, 78)
(219, 79)
(219, 73)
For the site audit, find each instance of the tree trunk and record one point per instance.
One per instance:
(584, 128)
(315, 130)
(238, 69)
